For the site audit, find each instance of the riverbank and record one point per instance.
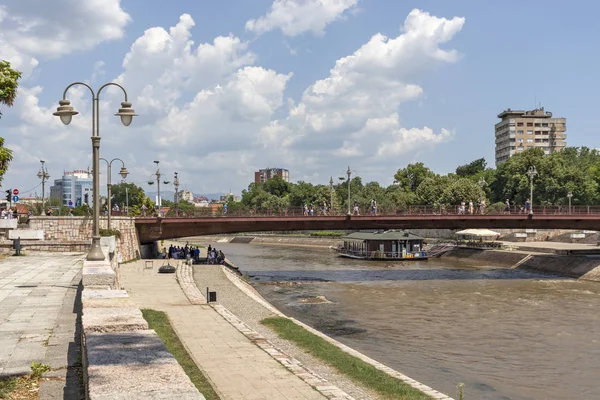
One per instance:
(233, 293)
(542, 257)
(578, 267)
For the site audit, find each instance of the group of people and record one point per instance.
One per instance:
(187, 252)
(462, 209)
(9, 214)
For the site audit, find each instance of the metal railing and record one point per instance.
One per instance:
(419, 210)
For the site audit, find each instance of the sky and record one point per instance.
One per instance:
(223, 89)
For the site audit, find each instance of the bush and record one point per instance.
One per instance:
(327, 234)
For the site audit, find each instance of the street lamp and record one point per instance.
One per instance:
(66, 112)
(531, 173)
(43, 175)
(349, 172)
(569, 196)
(158, 176)
(481, 183)
(123, 172)
(176, 184)
(331, 194)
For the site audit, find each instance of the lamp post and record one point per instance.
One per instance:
(349, 172)
(43, 175)
(531, 173)
(331, 194)
(176, 184)
(65, 111)
(569, 196)
(123, 172)
(481, 183)
(158, 176)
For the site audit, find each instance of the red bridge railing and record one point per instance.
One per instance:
(206, 212)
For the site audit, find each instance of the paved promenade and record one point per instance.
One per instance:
(237, 368)
(38, 317)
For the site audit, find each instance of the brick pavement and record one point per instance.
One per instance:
(235, 366)
(38, 313)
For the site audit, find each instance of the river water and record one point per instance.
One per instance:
(505, 334)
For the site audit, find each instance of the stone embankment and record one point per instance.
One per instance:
(122, 357)
(244, 307)
(578, 267)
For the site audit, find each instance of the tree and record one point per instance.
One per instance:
(119, 192)
(411, 177)
(9, 83)
(460, 190)
(473, 168)
(276, 186)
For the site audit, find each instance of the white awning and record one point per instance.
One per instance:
(478, 233)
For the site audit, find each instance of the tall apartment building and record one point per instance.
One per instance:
(520, 130)
(73, 186)
(268, 173)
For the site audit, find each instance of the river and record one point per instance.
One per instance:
(505, 334)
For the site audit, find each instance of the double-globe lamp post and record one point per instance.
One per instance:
(331, 194)
(123, 172)
(531, 173)
(44, 176)
(569, 196)
(176, 184)
(158, 176)
(66, 112)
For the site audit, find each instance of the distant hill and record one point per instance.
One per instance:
(170, 195)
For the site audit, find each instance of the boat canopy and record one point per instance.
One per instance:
(398, 235)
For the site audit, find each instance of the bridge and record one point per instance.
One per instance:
(153, 228)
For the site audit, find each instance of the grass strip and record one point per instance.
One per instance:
(7, 386)
(353, 367)
(159, 321)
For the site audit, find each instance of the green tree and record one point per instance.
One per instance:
(411, 177)
(473, 168)
(9, 83)
(120, 192)
(460, 190)
(430, 191)
(276, 186)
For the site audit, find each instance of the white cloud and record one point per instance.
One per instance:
(162, 65)
(353, 111)
(32, 29)
(295, 17)
(208, 112)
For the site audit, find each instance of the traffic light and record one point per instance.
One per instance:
(86, 198)
(8, 195)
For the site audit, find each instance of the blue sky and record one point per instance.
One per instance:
(274, 100)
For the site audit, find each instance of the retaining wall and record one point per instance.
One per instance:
(79, 229)
(122, 358)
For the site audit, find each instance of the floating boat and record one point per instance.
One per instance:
(382, 245)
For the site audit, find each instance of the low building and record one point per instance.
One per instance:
(185, 195)
(201, 201)
(224, 198)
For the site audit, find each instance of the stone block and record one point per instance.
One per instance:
(134, 365)
(26, 234)
(116, 302)
(112, 320)
(103, 294)
(101, 275)
(9, 223)
(109, 242)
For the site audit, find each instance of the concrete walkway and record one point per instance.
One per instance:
(236, 367)
(38, 313)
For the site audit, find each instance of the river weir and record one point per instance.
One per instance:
(504, 333)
